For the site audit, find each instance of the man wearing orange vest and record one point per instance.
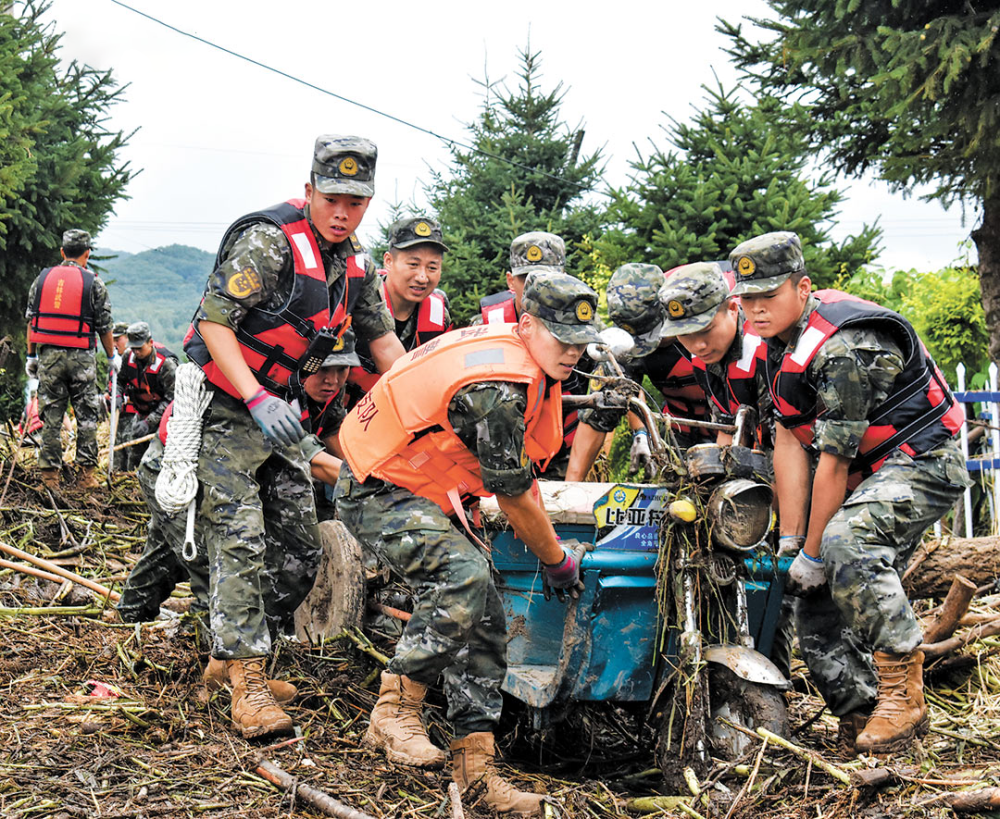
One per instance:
(286, 281)
(68, 306)
(410, 283)
(466, 415)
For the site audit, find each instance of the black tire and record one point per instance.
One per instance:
(337, 599)
(747, 704)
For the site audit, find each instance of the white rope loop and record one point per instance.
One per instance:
(177, 483)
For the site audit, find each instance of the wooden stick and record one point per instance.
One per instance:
(955, 607)
(104, 591)
(817, 760)
(315, 797)
(32, 570)
(457, 812)
(958, 641)
(389, 611)
(135, 441)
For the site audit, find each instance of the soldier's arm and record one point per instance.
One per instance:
(373, 323)
(101, 305)
(587, 445)
(323, 466)
(792, 482)
(385, 350)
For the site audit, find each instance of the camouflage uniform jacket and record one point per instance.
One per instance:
(99, 300)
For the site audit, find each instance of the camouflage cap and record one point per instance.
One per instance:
(138, 334)
(119, 328)
(564, 304)
(633, 305)
(344, 164)
(691, 297)
(343, 353)
(765, 262)
(537, 251)
(75, 241)
(419, 230)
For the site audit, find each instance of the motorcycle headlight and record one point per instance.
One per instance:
(739, 514)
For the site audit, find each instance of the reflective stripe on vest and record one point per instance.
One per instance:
(62, 314)
(273, 342)
(739, 385)
(919, 413)
(399, 432)
(143, 387)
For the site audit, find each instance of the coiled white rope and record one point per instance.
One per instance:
(177, 483)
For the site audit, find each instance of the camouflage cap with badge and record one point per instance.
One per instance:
(564, 304)
(343, 352)
(633, 305)
(691, 297)
(417, 230)
(119, 328)
(138, 334)
(344, 164)
(75, 242)
(765, 262)
(537, 251)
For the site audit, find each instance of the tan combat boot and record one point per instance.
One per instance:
(395, 724)
(215, 677)
(88, 478)
(851, 724)
(254, 709)
(472, 761)
(900, 715)
(49, 477)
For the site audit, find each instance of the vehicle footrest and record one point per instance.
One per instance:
(535, 685)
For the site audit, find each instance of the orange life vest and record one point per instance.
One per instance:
(399, 432)
(62, 314)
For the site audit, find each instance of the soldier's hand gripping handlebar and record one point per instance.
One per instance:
(275, 418)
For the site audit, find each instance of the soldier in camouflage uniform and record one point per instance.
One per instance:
(633, 305)
(851, 380)
(67, 306)
(260, 316)
(489, 433)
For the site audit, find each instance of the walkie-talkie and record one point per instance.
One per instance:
(320, 346)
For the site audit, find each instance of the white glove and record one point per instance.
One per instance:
(31, 366)
(790, 545)
(639, 457)
(806, 575)
(116, 361)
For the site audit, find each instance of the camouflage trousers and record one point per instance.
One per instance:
(160, 566)
(67, 376)
(128, 459)
(865, 548)
(458, 628)
(257, 522)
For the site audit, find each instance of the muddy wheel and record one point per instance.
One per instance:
(337, 599)
(747, 704)
(681, 742)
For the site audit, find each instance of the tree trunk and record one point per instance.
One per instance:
(987, 239)
(935, 563)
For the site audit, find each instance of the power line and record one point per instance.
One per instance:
(447, 140)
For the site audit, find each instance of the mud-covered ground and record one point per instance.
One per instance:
(165, 748)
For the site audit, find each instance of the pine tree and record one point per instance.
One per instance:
(59, 165)
(908, 89)
(526, 173)
(732, 175)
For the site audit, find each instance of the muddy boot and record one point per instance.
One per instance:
(88, 479)
(215, 677)
(50, 478)
(472, 762)
(254, 709)
(851, 724)
(900, 715)
(395, 724)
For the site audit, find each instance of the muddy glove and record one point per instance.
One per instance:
(806, 575)
(790, 545)
(639, 457)
(276, 419)
(116, 361)
(564, 576)
(31, 366)
(140, 428)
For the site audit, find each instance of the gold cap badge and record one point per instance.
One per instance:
(534, 253)
(584, 310)
(745, 266)
(675, 308)
(422, 229)
(348, 166)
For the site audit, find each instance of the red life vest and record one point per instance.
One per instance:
(273, 342)
(399, 432)
(498, 308)
(161, 430)
(143, 385)
(432, 321)
(62, 314)
(917, 416)
(739, 385)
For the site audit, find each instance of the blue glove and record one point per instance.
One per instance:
(31, 366)
(564, 576)
(275, 418)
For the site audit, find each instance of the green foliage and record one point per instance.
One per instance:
(162, 286)
(59, 165)
(483, 202)
(734, 174)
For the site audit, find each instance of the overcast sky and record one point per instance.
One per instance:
(220, 137)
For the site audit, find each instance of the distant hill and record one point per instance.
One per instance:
(162, 286)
